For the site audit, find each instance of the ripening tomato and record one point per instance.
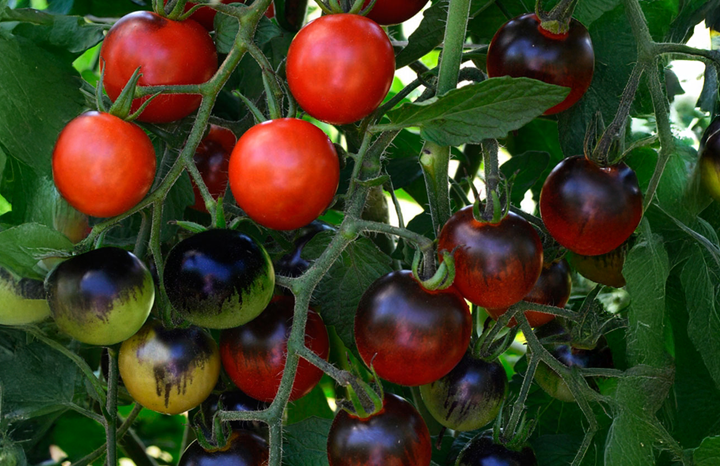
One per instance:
(102, 165)
(410, 335)
(522, 48)
(22, 301)
(605, 269)
(483, 451)
(388, 12)
(212, 158)
(496, 264)
(284, 173)
(254, 354)
(589, 209)
(167, 52)
(340, 68)
(243, 448)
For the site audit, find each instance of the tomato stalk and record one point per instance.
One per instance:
(112, 414)
(121, 431)
(492, 176)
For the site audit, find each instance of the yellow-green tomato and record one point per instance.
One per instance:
(101, 297)
(169, 370)
(23, 301)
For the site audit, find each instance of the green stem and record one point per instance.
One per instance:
(425, 244)
(492, 175)
(112, 414)
(210, 202)
(519, 405)
(272, 87)
(458, 12)
(340, 376)
(667, 143)
(124, 427)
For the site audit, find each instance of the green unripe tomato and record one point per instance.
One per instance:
(21, 302)
(101, 297)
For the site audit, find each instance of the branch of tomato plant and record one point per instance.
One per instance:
(492, 174)
(121, 431)
(273, 91)
(667, 142)
(519, 405)
(111, 419)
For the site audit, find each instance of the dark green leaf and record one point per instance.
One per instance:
(77, 435)
(306, 443)
(526, 170)
(403, 166)
(66, 33)
(23, 246)
(34, 106)
(479, 111)
(588, 12)
(312, 404)
(708, 453)
(427, 36)
(340, 290)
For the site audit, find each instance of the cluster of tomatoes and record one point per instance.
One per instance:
(284, 173)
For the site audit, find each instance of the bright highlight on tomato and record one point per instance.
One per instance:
(284, 173)
(167, 52)
(340, 68)
(522, 48)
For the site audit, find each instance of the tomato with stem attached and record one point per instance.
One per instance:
(496, 264)
(254, 354)
(212, 158)
(243, 448)
(410, 335)
(394, 436)
(590, 209)
(523, 48)
(102, 165)
(284, 173)
(168, 53)
(340, 68)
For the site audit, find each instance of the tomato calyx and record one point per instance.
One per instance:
(122, 105)
(555, 23)
(444, 275)
(332, 7)
(364, 400)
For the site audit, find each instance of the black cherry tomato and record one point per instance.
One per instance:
(243, 448)
(483, 451)
(388, 12)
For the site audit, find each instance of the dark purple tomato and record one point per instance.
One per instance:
(552, 289)
(410, 335)
(589, 209)
(482, 451)
(521, 48)
(550, 381)
(212, 158)
(244, 448)
(605, 269)
(254, 354)
(292, 264)
(237, 401)
(395, 436)
(496, 265)
(710, 159)
(469, 397)
(388, 12)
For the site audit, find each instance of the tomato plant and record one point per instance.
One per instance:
(589, 209)
(340, 67)
(212, 158)
(219, 278)
(103, 166)
(483, 451)
(552, 288)
(167, 52)
(410, 335)
(469, 396)
(710, 159)
(169, 370)
(284, 173)
(254, 354)
(523, 48)
(243, 448)
(387, 12)
(496, 264)
(101, 297)
(394, 436)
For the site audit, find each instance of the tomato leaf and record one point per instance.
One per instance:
(23, 246)
(28, 97)
(526, 168)
(428, 35)
(339, 292)
(479, 111)
(312, 404)
(708, 453)
(306, 442)
(64, 33)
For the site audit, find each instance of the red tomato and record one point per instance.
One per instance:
(168, 52)
(552, 288)
(284, 173)
(589, 209)
(254, 354)
(340, 67)
(212, 158)
(410, 335)
(521, 48)
(103, 165)
(388, 12)
(496, 265)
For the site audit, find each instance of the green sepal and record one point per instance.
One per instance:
(99, 97)
(142, 107)
(256, 113)
(220, 214)
(122, 105)
(189, 226)
(444, 276)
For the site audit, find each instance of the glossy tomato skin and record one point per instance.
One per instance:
(212, 158)
(219, 278)
(496, 265)
(292, 264)
(101, 297)
(244, 448)
(552, 289)
(340, 68)
(254, 354)
(102, 165)
(710, 159)
(168, 52)
(169, 370)
(482, 451)
(605, 269)
(395, 436)
(589, 209)
(389, 12)
(284, 173)
(410, 335)
(469, 397)
(521, 48)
